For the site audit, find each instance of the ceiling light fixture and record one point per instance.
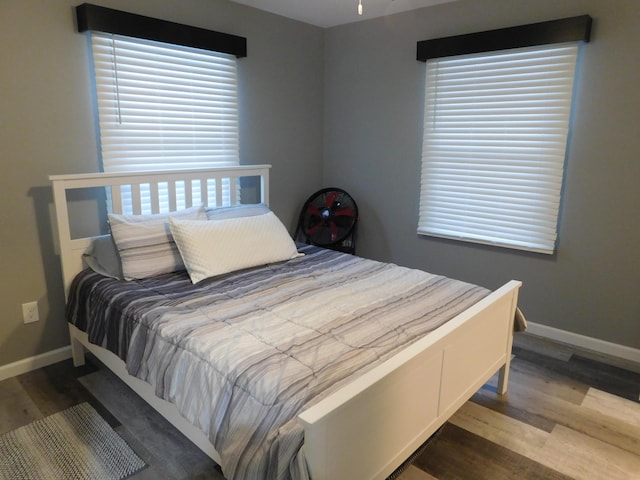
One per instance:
(359, 7)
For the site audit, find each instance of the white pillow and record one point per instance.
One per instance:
(216, 247)
(145, 243)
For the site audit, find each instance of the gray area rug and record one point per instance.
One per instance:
(74, 444)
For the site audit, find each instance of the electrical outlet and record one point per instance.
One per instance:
(30, 312)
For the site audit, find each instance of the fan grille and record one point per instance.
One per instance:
(328, 217)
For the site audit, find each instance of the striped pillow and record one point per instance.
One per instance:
(236, 211)
(145, 244)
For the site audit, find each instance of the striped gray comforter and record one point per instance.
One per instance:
(242, 354)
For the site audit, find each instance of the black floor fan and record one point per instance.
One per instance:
(329, 219)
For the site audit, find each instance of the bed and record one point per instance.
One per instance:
(361, 427)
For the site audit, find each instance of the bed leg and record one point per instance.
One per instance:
(77, 351)
(503, 373)
(503, 379)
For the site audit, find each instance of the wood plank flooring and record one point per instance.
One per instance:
(567, 415)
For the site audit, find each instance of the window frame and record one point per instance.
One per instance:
(442, 220)
(184, 40)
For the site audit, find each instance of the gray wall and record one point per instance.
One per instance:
(341, 107)
(373, 133)
(47, 127)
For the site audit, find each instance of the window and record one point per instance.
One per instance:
(496, 125)
(163, 106)
(167, 96)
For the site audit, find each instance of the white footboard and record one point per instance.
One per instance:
(368, 428)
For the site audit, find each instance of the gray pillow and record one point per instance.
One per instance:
(102, 257)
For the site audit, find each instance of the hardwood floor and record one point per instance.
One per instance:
(567, 415)
(37, 394)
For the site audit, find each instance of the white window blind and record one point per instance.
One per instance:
(164, 106)
(495, 133)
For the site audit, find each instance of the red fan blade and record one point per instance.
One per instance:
(314, 229)
(344, 212)
(331, 198)
(334, 231)
(313, 210)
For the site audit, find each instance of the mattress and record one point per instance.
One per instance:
(242, 354)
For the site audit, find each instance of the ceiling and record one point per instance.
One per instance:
(329, 13)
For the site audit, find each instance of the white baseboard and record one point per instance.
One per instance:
(581, 341)
(35, 362)
(570, 338)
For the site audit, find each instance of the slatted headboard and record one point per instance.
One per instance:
(193, 184)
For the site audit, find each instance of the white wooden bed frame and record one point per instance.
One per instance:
(368, 428)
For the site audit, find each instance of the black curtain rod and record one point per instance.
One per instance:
(555, 31)
(102, 19)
